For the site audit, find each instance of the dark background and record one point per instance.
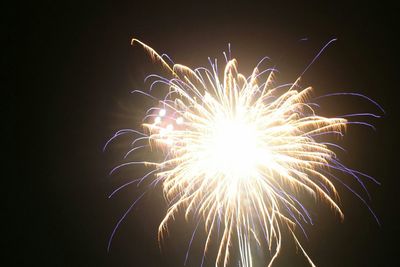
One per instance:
(75, 69)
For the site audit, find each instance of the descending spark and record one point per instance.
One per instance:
(240, 154)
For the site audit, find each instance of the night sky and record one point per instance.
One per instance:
(76, 68)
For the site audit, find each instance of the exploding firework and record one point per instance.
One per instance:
(239, 155)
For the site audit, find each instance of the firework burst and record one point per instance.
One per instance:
(239, 153)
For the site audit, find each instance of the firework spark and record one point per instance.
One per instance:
(240, 152)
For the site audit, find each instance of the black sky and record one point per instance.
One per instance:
(75, 69)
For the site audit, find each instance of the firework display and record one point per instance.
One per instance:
(239, 155)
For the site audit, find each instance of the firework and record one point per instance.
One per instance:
(240, 154)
